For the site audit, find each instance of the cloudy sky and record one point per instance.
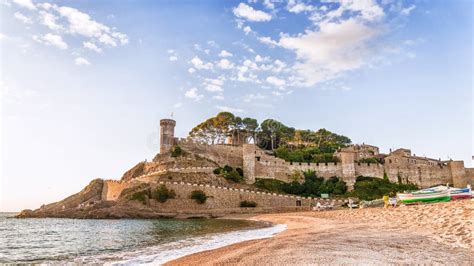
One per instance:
(84, 83)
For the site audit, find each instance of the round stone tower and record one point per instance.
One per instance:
(166, 134)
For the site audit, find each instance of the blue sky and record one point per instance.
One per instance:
(84, 83)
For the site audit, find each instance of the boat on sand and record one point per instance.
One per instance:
(413, 197)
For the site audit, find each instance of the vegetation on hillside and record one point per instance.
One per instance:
(162, 194)
(288, 143)
(199, 196)
(365, 188)
(176, 151)
(370, 188)
(229, 173)
(312, 186)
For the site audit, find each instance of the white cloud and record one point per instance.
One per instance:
(51, 39)
(368, 9)
(81, 61)
(333, 49)
(4, 37)
(82, 24)
(276, 81)
(177, 105)
(213, 85)
(46, 6)
(229, 109)
(247, 29)
(191, 70)
(269, 4)
(22, 18)
(247, 12)
(199, 64)
(225, 64)
(25, 3)
(173, 58)
(49, 20)
(193, 94)
(213, 44)
(268, 41)
(224, 53)
(91, 46)
(218, 97)
(298, 7)
(250, 64)
(407, 11)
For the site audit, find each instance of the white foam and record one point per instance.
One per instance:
(170, 251)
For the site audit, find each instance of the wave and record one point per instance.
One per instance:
(171, 251)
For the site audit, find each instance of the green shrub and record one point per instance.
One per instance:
(141, 195)
(370, 188)
(227, 169)
(199, 196)
(176, 151)
(240, 171)
(230, 174)
(248, 204)
(162, 194)
(272, 185)
(234, 176)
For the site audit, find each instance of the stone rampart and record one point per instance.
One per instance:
(470, 175)
(224, 199)
(221, 154)
(259, 164)
(112, 188)
(220, 200)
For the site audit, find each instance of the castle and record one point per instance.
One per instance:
(193, 170)
(399, 165)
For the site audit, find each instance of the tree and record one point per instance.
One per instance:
(199, 196)
(250, 126)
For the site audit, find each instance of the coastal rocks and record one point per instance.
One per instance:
(86, 198)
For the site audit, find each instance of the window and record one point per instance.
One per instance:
(298, 203)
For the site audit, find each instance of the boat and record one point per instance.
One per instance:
(424, 196)
(460, 193)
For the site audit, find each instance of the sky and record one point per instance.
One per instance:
(85, 83)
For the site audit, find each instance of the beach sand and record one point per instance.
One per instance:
(439, 233)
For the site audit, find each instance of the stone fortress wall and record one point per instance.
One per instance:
(423, 172)
(224, 199)
(222, 154)
(399, 164)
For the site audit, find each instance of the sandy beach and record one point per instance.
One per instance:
(440, 233)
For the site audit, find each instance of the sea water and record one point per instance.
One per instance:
(125, 241)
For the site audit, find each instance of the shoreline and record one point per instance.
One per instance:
(434, 233)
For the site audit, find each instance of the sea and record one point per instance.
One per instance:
(119, 242)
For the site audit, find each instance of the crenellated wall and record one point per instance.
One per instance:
(423, 172)
(221, 200)
(258, 164)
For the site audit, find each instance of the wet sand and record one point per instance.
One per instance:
(440, 233)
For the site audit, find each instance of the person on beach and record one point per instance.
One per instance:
(351, 202)
(385, 201)
(392, 200)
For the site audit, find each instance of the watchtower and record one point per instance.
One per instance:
(166, 134)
